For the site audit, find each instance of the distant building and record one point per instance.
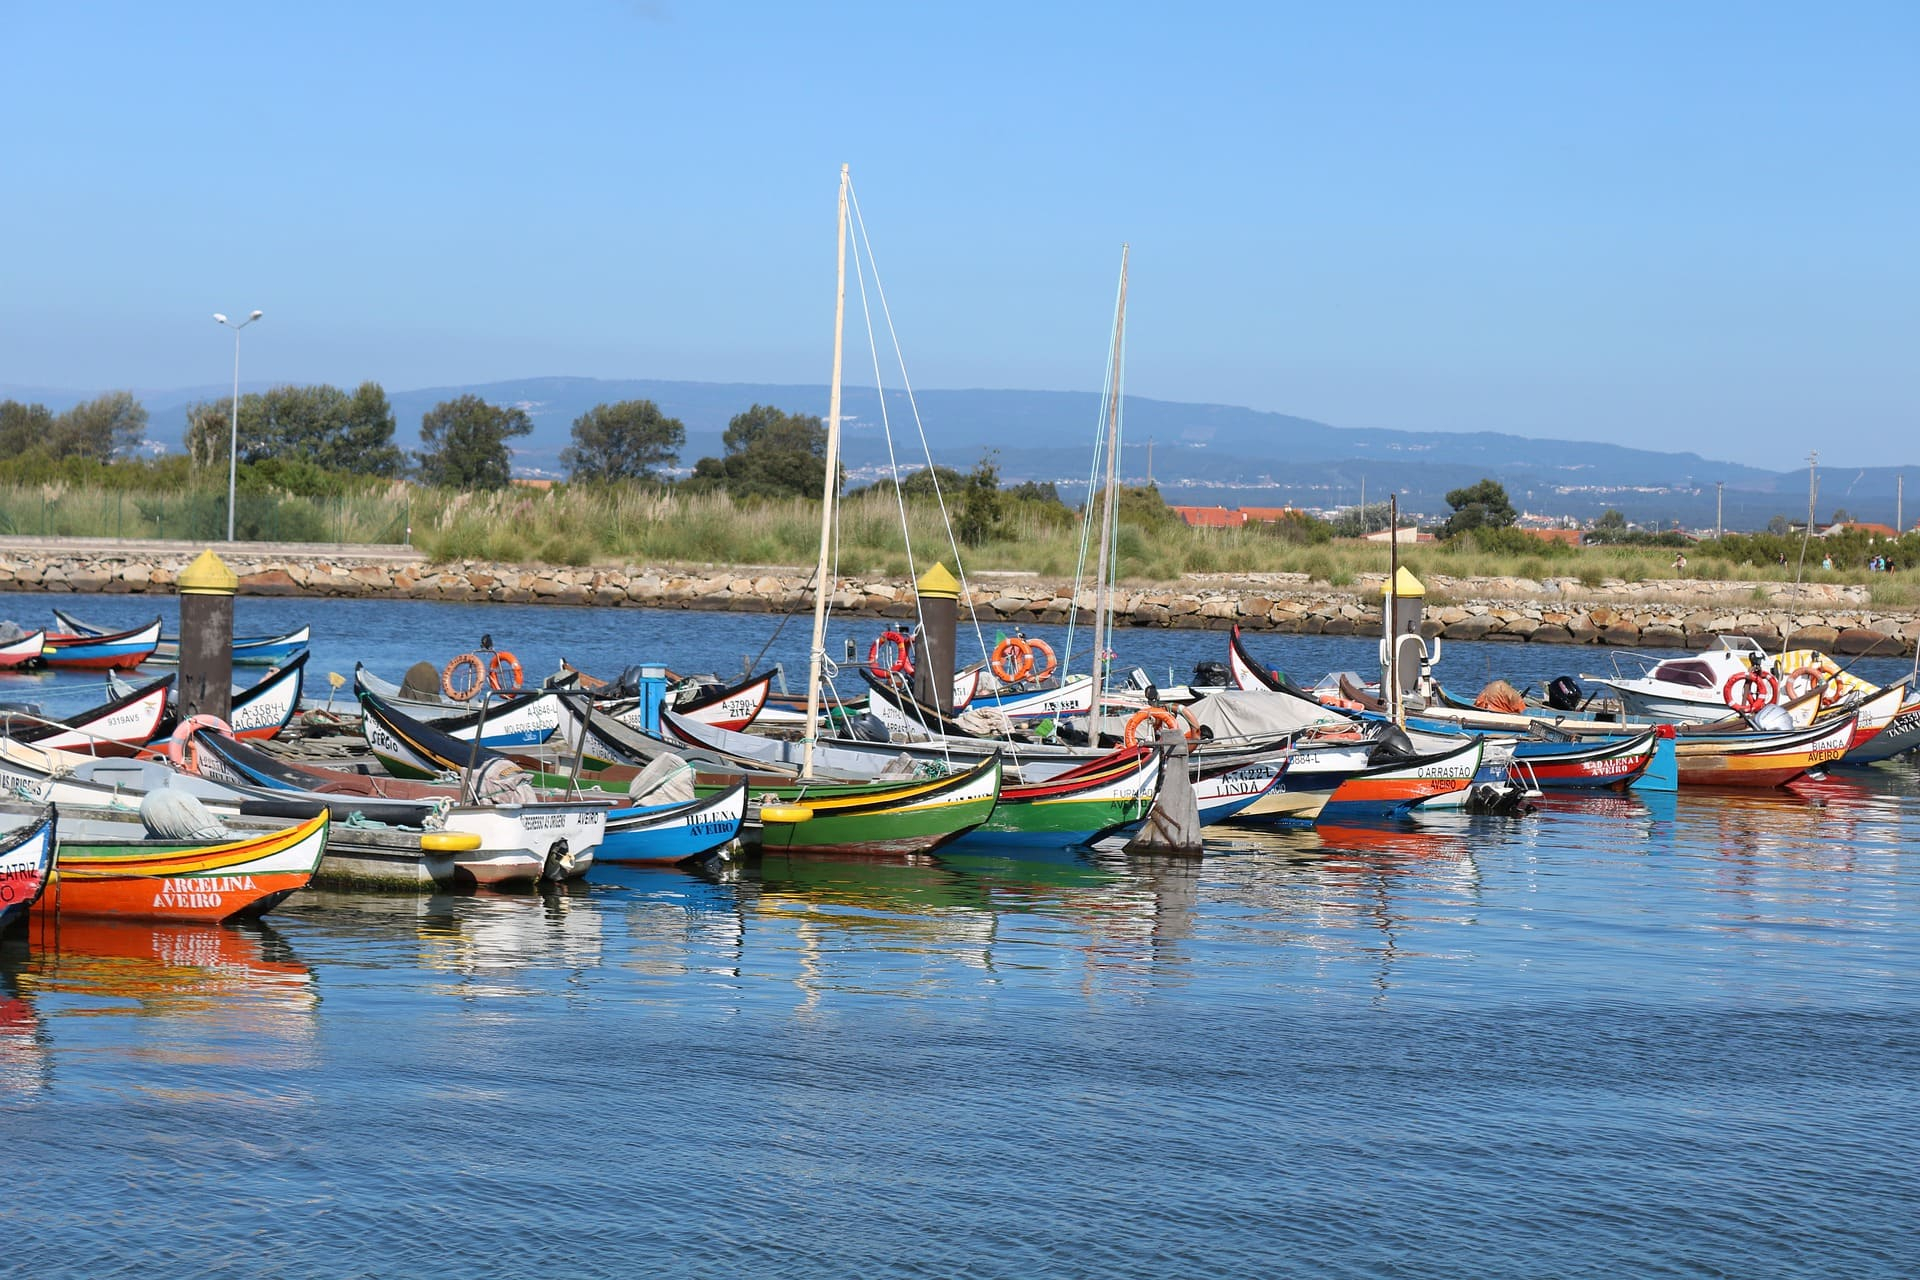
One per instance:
(1270, 515)
(1405, 534)
(1211, 517)
(1867, 527)
(1572, 537)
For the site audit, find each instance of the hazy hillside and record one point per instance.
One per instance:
(1200, 453)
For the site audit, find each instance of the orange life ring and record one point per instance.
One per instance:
(1045, 650)
(1159, 715)
(462, 692)
(512, 664)
(1018, 670)
(184, 731)
(902, 661)
(1800, 682)
(1834, 691)
(1757, 689)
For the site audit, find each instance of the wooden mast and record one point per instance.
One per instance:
(1110, 505)
(823, 585)
(1392, 605)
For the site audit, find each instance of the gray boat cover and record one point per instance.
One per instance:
(1233, 715)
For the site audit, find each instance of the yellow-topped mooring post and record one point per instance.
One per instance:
(207, 589)
(1404, 601)
(939, 593)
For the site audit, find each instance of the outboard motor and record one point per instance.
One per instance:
(1563, 694)
(1211, 675)
(1392, 745)
(1506, 798)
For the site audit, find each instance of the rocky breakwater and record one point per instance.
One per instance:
(1672, 614)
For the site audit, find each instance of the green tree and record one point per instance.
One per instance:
(24, 427)
(765, 427)
(918, 484)
(980, 507)
(1040, 491)
(1611, 519)
(629, 440)
(1779, 526)
(318, 424)
(465, 443)
(1841, 516)
(1357, 522)
(102, 428)
(1140, 505)
(1479, 506)
(769, 454)
(363, 442)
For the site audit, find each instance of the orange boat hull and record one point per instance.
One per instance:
(154, 881)
(138, 897)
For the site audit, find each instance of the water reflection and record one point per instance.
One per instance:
(151, 969)
(201, 994)
(25, 1061)
(675, 921)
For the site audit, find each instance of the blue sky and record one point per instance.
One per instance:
(1679, 226)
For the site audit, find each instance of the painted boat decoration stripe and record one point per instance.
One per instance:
(183, 881)
(24, 652)
(1394, 789)
(1077, 807)
(118, 728)
(665, 834)
(1762, 759)
(119, 652)
(1581, 765)
(248, 651)
(884, 819)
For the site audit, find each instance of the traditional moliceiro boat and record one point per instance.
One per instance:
(116, 869)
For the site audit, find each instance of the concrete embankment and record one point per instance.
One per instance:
(1670, 614)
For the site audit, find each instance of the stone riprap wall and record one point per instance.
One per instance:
(1681, 613)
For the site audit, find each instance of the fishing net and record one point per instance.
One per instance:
(1501, 696)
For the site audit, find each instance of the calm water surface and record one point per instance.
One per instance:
(1625, 1036)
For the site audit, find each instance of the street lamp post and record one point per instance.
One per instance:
(233, 433)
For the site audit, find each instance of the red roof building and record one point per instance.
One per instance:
(1211, 517)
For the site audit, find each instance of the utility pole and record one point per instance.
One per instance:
(1718, 528)
(1149, 462)
(1899, 503)
(1813, 489)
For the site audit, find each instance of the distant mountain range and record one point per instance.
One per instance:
(1200, 453)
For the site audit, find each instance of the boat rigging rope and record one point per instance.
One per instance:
(893, 462)
(1087, 518)
(913, 404)
(785, 619)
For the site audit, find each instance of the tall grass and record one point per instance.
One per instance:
(632, 525)
(59, 509)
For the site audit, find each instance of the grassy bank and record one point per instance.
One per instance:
(583, 526)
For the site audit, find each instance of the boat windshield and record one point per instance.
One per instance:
(1687, 671)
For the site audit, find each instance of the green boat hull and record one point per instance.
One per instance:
(885, 819)
(1054, 823)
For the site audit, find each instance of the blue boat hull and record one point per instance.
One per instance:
(660, 835)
